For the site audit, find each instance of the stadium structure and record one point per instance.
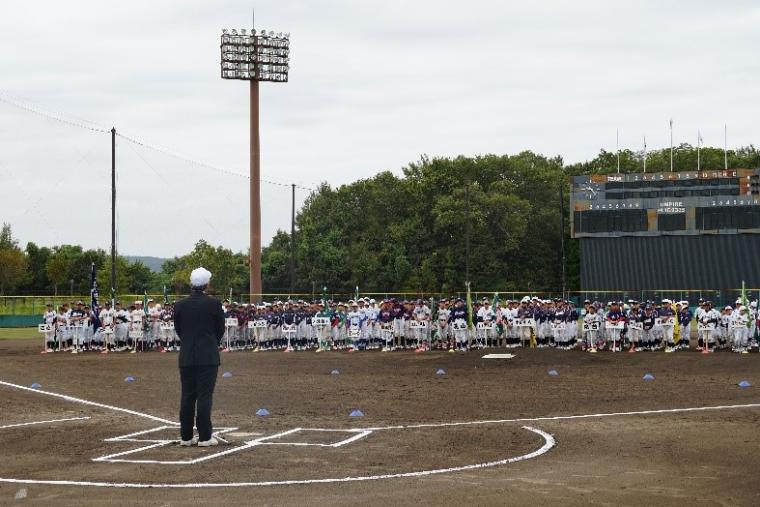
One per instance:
(690, 231)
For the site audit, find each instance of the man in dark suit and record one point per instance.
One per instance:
(199, 322)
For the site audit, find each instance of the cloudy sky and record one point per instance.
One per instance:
(373, 85)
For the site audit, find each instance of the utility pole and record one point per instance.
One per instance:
(292, 239)
(113, 215)
(467, 235)
(562, 234)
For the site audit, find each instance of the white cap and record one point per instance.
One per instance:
(525, 299)
(742, 308)
(666, 301)
(753, 304)
(200, 277)
(728, 308)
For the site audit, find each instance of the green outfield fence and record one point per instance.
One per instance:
(25, 311)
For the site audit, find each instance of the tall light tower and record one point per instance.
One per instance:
(256, 56)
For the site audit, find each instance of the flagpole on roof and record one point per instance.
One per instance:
(699, 142)
(645, 153)
(725, 146)
(671, 144)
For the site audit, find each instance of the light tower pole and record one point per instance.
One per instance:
(254, 57)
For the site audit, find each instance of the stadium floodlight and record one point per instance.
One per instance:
(255, 57)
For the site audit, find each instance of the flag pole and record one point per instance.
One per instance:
(645, 153)
(617, 148)
(699, 140)
(725, 146)
(671, 144)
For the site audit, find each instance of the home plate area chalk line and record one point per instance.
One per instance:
(357, 434)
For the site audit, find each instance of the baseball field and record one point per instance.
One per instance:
(545, 427)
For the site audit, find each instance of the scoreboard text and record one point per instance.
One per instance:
(651, 204)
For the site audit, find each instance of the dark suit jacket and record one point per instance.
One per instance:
(199, 322)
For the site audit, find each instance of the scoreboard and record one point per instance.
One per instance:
(670, 203)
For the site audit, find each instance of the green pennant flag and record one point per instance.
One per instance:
(166, 296)
(745, 303)
(325, 306)
(495, 309)
(469, 305)
(145, 302)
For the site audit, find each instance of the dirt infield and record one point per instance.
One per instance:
(520, 442)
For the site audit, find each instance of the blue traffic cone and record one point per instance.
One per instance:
(357, 413)
(262, 412)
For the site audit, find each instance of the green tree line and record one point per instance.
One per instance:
(388, 233)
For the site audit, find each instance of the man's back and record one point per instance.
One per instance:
(199, 322)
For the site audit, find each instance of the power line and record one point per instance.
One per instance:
(52, 116)
(205, 165)
(80, 123)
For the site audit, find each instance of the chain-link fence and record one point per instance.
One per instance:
(35, 305)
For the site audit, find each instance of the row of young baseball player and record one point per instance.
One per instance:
(648, 326)
(363, 324)
(78, 328)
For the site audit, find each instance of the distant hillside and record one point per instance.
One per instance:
(153, 263)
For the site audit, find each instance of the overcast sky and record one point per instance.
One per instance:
(373, 86)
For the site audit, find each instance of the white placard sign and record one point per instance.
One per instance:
(45, 328)
(289, 328)
(525, 323)
(417, 324)
(320, 321)
(459, 325)
(260, 324)
(483, 325)
(639, 326)
(614, 325)
(231, 322)
(706, 327)
(666, 321)
(354, 332)
(136, 333)
(591, 326)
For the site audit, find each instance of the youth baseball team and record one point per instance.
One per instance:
(392, 324)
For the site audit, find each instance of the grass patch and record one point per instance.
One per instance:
(19, 333)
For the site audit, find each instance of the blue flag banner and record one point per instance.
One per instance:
(93, 288)
(94, 296)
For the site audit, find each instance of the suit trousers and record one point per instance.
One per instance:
(198, 384)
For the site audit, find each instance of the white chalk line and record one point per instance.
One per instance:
(90, 403)
(568, 417)
(370, 429)
(264, 440)
(51, 421)
(549, 442)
